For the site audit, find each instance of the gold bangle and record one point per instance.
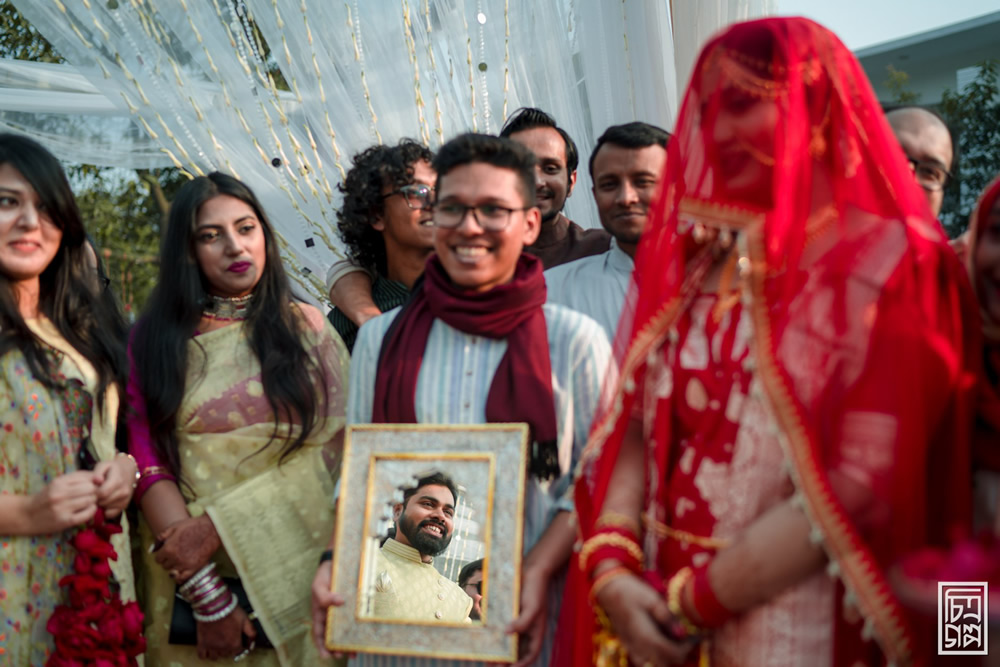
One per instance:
(606, 577)
(675, 589)
(155, 470)
(612, 540)
(138, 475)
(617, 520)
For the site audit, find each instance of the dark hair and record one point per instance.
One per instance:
(504, 153)
(433, 479)
(528, 118)
(372, 170)
(468, 570)
(889, 108)
(116, 326)
(66, 290)
(160, 346)
(630, 135)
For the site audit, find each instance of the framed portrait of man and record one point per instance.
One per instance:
(429, 540)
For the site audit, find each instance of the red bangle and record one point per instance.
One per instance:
(611, 543)
(706, 606)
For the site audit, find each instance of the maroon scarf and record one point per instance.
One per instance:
(522, 386)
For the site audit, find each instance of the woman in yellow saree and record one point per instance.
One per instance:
(60, 366)
(237, 400)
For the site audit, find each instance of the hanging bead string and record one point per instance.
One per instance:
(438, 115)
(149, 24)
(506, 56)
(359, 55)
(483, 66)
(321, 87)
(287, 174)
(628, 58)
(146, 68)
(603, 81)
(361, 101)
(472, 75)
(319, 173)
(411, 47)
(190, 155)
(306, 169)
(327, 188)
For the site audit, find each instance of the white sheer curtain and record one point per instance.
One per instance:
(190, 83)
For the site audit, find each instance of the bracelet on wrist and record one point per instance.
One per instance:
(219, 615)
(138, 475)
(209, 596)
(606, 577)
(611, 543)
(611, 519)
(326, 556)
(195, 582)
(675, 592)
(214, 606)
(709, 612)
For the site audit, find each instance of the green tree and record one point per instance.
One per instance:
(20, 40)
(124, 210)
(974, 116)
(898, 84)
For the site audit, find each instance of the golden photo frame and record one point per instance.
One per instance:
(380, 460)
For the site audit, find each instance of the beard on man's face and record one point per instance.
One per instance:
(549, 214)
(421, 540)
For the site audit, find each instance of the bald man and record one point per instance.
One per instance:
(927, 143)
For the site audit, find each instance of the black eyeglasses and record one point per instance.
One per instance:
(929, 174)
(417, 195)
(478, 585)
(491, 217)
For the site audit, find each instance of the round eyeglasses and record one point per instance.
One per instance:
(929, 174)
(417, 195)
(491, 217)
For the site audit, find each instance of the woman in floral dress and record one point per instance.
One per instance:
(61, 365)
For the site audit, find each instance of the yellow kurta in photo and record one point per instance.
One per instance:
(408, 589)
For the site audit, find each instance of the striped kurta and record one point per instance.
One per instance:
(452, 387)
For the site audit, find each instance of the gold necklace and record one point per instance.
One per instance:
(227, 309)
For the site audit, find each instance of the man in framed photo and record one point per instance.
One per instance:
(405, 586)
(477, 343)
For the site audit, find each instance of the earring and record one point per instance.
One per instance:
(725, 238)
(699, 233)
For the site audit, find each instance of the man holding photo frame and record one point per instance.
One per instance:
(476, 343)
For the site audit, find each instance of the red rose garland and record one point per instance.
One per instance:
(96, 629)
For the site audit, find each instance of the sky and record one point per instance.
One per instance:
(861, 23)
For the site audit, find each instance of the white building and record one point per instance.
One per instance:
(935, 60)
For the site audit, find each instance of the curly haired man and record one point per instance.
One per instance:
(385, 222)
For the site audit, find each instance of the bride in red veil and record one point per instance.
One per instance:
(793, 405)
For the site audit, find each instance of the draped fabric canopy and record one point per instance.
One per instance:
(281, 93)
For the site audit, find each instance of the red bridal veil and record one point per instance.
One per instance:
(856, 304)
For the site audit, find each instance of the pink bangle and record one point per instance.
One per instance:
(215, 605)
(706, 605)
(208, 595)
